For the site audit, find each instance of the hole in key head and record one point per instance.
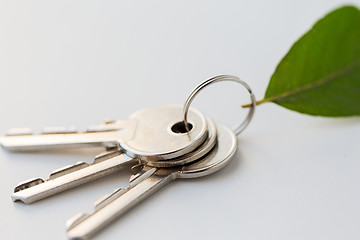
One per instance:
(179, 127)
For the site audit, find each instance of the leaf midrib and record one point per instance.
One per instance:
(332, 76)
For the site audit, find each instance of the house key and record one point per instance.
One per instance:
(149, 134)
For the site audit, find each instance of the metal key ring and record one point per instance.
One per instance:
(221, 78)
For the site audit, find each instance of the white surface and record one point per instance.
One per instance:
(79, 62)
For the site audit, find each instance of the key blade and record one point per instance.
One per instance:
(56, 141)
(69, 177)
(116, 204)
(109, 135)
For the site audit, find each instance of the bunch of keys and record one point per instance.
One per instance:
(155, 143)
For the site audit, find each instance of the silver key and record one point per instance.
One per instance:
(146, 182)
(105, 164)
(71, 176)
(148, 135)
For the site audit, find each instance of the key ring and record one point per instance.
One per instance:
(221, 78)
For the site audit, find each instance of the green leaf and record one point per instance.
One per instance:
(320, 75)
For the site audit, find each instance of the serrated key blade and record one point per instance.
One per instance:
(117, 203)
(59, 137)
(67, 178)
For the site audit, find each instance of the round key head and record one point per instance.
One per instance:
(160, 133)
(218, 158)
(193, 156)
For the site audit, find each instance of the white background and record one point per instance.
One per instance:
(76, 63)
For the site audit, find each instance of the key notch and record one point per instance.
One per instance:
(67, 169)
(27, 184)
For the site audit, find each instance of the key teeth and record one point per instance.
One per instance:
(27, 184)
(107, 127)
(135, 179)
(59, 130)
(75, 220)
(109, 121)
(83, 226)
(107, 155)
(80, 217)
(19, 131)
(80, 165)
(67, 169)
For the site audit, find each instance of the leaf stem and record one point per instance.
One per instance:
(257, 103)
